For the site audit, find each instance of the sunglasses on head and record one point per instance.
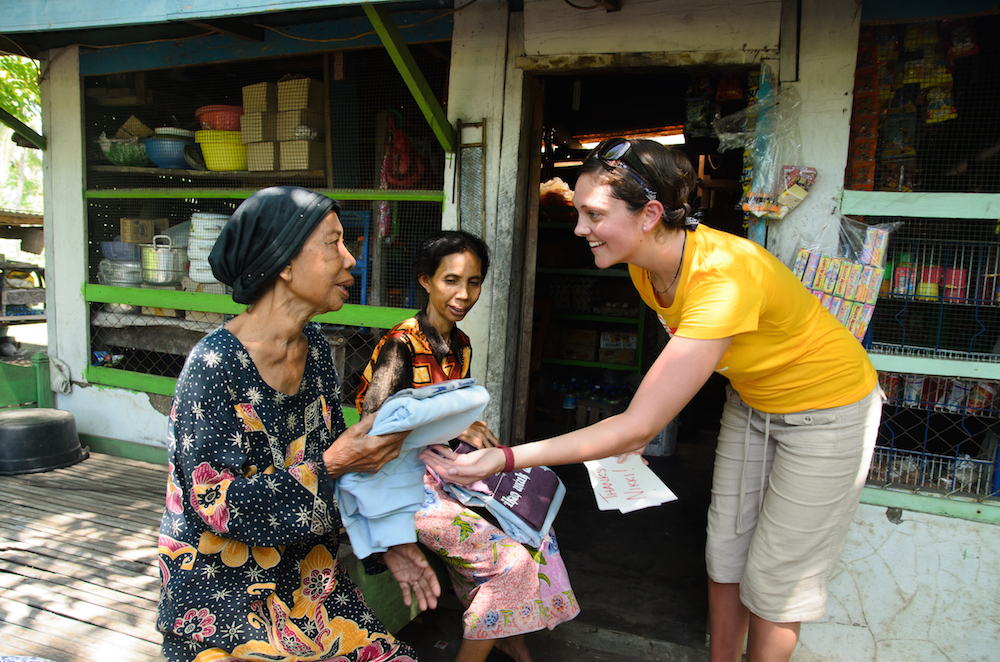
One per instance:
(617, 153)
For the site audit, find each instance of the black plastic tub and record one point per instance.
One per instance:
(34, 440)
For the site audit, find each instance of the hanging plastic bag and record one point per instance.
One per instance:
(768, 130)
(849, 282)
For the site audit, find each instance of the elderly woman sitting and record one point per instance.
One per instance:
(256, 437)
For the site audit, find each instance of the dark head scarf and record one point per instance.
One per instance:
(263, 235)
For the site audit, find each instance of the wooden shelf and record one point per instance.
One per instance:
(211, 174)
(21, 319)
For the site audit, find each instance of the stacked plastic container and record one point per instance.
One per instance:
(205, 229)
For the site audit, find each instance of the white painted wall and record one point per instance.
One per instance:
(475, 92)
(921, 588)
(100, 411)
(827, 58)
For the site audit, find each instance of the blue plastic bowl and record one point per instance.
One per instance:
(167, 152)
(120, 250)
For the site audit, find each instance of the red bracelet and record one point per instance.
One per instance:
(508, 454)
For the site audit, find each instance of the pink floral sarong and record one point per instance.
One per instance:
(507, 588)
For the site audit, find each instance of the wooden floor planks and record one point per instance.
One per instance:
(78, 573)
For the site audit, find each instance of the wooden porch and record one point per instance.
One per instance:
(79, 580)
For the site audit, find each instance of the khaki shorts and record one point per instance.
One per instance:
(784, 492)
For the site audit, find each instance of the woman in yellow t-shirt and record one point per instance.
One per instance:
(802, 413)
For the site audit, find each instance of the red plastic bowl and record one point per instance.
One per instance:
(219, 118)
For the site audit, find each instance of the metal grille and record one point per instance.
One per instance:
(939, 434)
(925, 108)
(472, 181)
(352, 124)
(940, 294)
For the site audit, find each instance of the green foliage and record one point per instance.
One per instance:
(20, 167)
(19, 93)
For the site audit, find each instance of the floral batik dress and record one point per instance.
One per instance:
(507, 588)
(249, 537)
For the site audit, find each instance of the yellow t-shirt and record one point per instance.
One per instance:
(788, 352)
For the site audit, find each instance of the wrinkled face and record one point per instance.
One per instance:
(454, 288)
(604, 221)
(321, 272)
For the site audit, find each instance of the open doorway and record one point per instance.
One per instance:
(592, 339)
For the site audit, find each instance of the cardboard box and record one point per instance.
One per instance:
(578, 345)
(263, 157)
(304, 93)
(579, 337)
(300, 125)
(260, 98)
(618, 356)
(258, 127)
(810, 273)
(302, 155)
(832, 274)
(142, 230)
(578, 352)
(840, 289)
(801, 260)
(619, 340)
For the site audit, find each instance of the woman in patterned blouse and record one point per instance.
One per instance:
(249, 537)
(508, 589)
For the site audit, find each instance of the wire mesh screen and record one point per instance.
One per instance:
(939, 434)
(344, 120)
(940, 296)
(925, 107)
(472, 210)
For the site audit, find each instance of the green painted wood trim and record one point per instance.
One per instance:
(23, 130)
(351, 416)
(920, 205)
(176, 299)
(916, 365)
(18, 385)
(349, 315)
(43, 383)
(126, 449)
(986, 512)
(354, 315)
(396, 46)
(244, 193)
(133, 381)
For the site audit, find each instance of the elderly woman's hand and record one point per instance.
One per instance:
(410, 568)
(356, 450)
(480, 436)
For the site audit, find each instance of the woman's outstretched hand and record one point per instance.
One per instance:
(410, 568)
(463, 468)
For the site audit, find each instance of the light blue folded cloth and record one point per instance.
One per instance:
(377, 509)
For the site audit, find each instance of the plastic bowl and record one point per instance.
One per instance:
(120, 250)
(175, 132)
(219, 118)
(167, 152)
(223, 150)
(125, 152)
